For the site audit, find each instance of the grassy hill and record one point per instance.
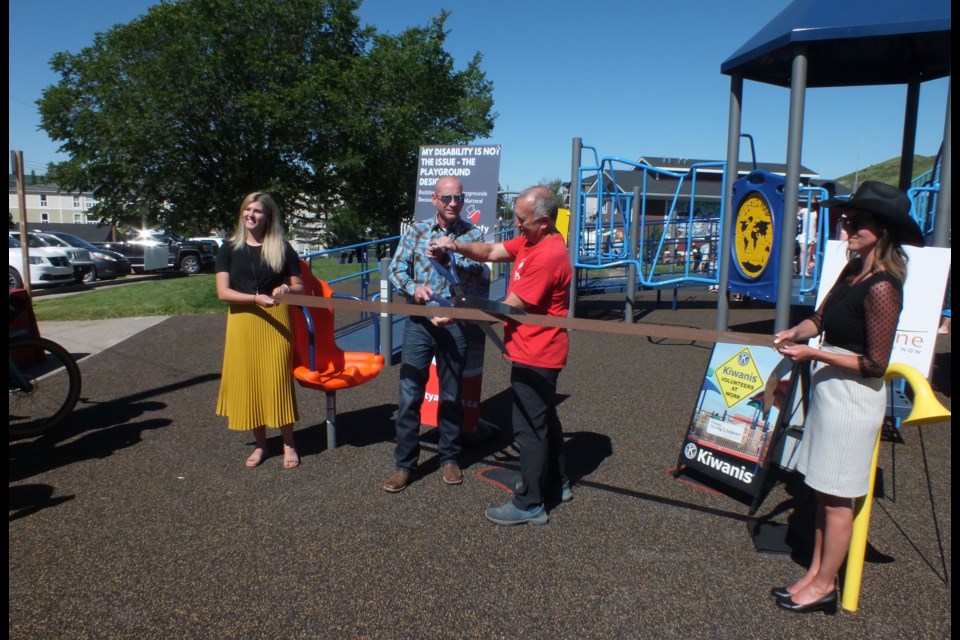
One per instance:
(889, 171)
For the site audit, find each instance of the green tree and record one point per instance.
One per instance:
(406, 94)
(176, 116)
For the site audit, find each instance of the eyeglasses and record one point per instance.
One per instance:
(446, 199)
(853, 224)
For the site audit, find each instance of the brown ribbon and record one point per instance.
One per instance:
(640, 329)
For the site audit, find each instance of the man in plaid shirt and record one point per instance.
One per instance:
(427, 338)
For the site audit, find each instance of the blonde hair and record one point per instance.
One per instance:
(274, 242)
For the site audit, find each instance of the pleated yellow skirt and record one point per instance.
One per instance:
(256, 386)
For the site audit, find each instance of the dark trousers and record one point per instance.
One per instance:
(538, 433)
(422, 342)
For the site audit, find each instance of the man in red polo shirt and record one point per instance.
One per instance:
(539, 283)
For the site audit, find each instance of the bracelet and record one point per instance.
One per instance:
(455, 247)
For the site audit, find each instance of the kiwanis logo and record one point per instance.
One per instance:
(690, 451)
(743, 358)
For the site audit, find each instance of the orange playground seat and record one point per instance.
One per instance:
(318, 363)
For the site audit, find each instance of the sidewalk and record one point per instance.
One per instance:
(83, 338)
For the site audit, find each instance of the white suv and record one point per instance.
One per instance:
(47, 266)
(80, 258)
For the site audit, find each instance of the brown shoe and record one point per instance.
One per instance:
(452, 473)
(398, 481)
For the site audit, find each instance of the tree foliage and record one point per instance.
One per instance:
(176, 116)
(555, 186)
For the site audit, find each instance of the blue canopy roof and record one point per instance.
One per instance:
(850, 43)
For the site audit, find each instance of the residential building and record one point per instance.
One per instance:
(46, 203)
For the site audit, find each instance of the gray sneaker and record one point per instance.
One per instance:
(507, 514)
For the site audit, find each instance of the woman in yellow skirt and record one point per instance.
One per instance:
(256, 267)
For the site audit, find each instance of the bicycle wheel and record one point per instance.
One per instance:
(44, 385)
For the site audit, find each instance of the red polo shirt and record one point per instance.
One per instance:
(541, 278)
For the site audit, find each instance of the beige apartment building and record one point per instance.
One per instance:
(46, 203)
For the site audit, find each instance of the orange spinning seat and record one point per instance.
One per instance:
(318, 363)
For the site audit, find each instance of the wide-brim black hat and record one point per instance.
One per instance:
(890, 208)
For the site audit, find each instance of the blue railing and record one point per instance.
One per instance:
(362, 252)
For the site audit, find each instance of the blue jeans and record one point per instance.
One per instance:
(421, 343)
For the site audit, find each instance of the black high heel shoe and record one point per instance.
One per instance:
(780, 593)
(827, 604)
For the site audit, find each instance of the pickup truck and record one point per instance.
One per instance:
(187, 256)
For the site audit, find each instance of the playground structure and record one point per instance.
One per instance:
(614, 228)
(824, 44)
(627, 240)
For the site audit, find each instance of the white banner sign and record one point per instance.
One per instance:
(916, 340)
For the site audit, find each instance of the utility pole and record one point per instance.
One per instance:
(16, 159)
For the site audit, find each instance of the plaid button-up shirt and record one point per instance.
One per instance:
(410, 266)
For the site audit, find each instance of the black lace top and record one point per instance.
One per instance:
(863, 317)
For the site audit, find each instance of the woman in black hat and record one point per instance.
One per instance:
(858, 320)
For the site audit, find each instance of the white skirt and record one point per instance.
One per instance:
(840, 432)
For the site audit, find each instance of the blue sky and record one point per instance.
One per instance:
(630, 78)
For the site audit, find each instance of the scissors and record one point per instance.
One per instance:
(464, 300)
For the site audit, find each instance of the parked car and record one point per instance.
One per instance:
(47, 266)
(189, 257)
(81, 259)
(214, 242)
(106, 264)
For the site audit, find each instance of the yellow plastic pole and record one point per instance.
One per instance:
(926, 410)
(858, 539)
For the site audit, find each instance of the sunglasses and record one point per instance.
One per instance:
(446, 199)
(854, 224)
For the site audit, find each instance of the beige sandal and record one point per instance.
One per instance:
(290, 458)
(257, 457)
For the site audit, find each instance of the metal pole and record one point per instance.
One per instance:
(941, 225)
(573, 231)
(331, 420)
(730, 171)
(633, 238)
(791, 188)
(386, 319)
(909, 134)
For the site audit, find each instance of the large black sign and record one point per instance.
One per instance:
(477, 167)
